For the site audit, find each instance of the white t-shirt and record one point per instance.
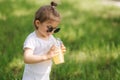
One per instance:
(38, 71)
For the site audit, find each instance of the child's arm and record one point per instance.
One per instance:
(29, 58)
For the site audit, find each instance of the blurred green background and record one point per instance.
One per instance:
(90, 30)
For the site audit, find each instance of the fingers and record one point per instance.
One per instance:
(52, 52)
(63, 48)
(53, 47)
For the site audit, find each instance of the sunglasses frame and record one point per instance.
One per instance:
(50, 29)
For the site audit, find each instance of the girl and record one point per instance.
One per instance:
(38, 51)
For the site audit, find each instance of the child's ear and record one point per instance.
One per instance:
(37, 22)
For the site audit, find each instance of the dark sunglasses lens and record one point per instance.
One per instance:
(57, 30)
(50, 29)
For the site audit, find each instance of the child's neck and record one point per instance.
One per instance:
(41, 36)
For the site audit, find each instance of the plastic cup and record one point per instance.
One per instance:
(59, 58)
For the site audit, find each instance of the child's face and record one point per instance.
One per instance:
(47, 28)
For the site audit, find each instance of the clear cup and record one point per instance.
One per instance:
(59, 58)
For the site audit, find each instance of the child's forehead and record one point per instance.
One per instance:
(52, 22)
(53, 19)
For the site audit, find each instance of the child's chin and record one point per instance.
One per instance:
(48, 35)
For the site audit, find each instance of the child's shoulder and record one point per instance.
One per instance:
(31, 36)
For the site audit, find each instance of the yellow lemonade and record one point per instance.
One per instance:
(59, 58)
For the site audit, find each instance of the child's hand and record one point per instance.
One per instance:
(63, 48)
(52, 52)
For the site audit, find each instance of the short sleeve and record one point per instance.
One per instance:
(29, 43)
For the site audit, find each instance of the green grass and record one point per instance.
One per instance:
(89, 30)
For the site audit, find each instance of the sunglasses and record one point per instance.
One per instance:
(50, 29)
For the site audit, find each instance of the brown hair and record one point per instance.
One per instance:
(47, 12)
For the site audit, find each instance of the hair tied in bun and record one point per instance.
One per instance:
(53, 4)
